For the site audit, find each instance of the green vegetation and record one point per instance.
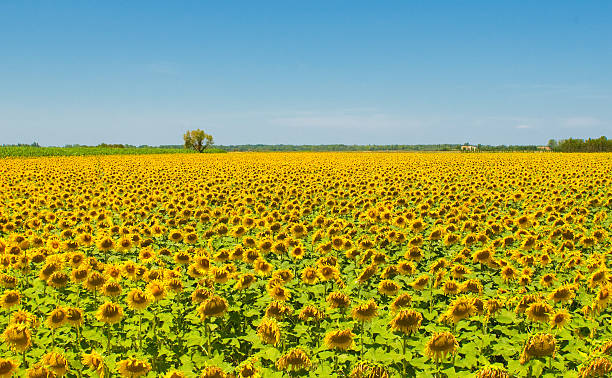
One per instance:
(76, 150)
(197, 140)
(601, 144)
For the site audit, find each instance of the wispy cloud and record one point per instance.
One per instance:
(523, 126)
(582, 122)
(361, 120)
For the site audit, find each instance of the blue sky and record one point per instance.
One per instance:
(305, 72)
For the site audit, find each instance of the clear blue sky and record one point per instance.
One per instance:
(305, 72)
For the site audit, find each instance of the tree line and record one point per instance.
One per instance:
(601, 144)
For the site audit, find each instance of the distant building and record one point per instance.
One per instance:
(544, 148)
(469, 148)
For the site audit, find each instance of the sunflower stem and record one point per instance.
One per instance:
(207, 337)
(362, 336)
(140, 332)
(108, 338)
(404, 362)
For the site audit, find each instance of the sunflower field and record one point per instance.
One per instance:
(306, 264)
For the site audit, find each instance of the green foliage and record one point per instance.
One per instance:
(601, 144)
(28, 151)
(197, 140)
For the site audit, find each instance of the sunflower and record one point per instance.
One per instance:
(406, 267)
(388, 287)
(460, 308)
(213, 372)
(562, 294)
(133, 367)
(294, 360)
(40, 371)
(365, 312)
(138, 299)
(57, 318)
(277, 310)
(492, 372)
(182, 258)
(310, 312)
(509, 273)
(157, 290)
(406, 321)
(366, 273)
(245, 281)
(538, 345)
(111, 289)
(74, 316)
(560, 319)
(18, 337)
(420, 283)
(597, 367)
(547, 280)
(79, 275)
(483, 256)
(539, 312)
(175, 374)
(328, 272)
(109, 313)
(279, 293)
(10, 299)
(269, 331)
(214, 306)
(338, 300)
(7, 367)
(413, 254)
(603, 297)
(441, 344)
(104, 243)
(55, 362)
(339, 339)
(451, 287)
(24, 317)
(94, 281)
(8, 281)
(262, 267)
(176, 235)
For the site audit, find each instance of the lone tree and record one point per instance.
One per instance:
(197, 139)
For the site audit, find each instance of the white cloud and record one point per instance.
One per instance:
(523, 127)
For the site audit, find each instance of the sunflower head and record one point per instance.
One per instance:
(133, 367)
(338, 299)
(339, 339)
(8, 367)
(109, 313)
(440, 344)
(55, 362)
(539, 312)
(365, 311)
(9, 299)
(294, 360)
(492, 372)
(406, 321)
(18, 337)
(214, 306)
(269, 331)
(538, 345)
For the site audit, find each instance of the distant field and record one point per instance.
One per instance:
(27, 151)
